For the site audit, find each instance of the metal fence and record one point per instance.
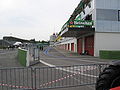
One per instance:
(13, 78)
(37, 78)
(34, 51)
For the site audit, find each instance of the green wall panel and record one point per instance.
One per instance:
(105, 54)
(22, 54)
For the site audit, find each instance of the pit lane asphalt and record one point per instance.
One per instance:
(60, 57)
(8, 58)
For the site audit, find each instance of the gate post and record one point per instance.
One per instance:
(33, 78)
(100, 68)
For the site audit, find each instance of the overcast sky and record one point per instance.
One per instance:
(37, 19)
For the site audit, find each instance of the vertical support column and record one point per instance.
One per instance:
(38, 53)
(83, 44)
(70, 46)
(75, 46)
(28, 58)
(33, 78)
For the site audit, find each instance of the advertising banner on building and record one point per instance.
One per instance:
(79, 23)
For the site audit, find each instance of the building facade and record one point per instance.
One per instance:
(102, 34)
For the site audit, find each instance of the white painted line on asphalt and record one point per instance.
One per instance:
(50, 65)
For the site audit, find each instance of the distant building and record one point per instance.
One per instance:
(4, 43)
(13, 40)
(94, 25)
(52, 39)
(9, 41)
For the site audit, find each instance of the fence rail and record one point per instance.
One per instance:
(49, 77)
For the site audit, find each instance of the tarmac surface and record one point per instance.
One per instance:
(8, 58)
(60, 57)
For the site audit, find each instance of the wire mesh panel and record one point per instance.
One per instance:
(49, 77)
(15, 78)
(34, 52)
(67, 76)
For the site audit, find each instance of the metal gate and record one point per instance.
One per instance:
(16, 78)
(37, 78)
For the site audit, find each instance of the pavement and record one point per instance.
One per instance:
(85, 57)
(58, 57)
(8, 58)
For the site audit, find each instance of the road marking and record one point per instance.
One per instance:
(50, 65)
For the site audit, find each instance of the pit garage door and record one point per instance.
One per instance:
(79, 46)
(72, 46)
(89, 45)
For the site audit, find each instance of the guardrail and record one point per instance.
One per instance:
(49, 77)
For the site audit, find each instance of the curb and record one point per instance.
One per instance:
(34, 63)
